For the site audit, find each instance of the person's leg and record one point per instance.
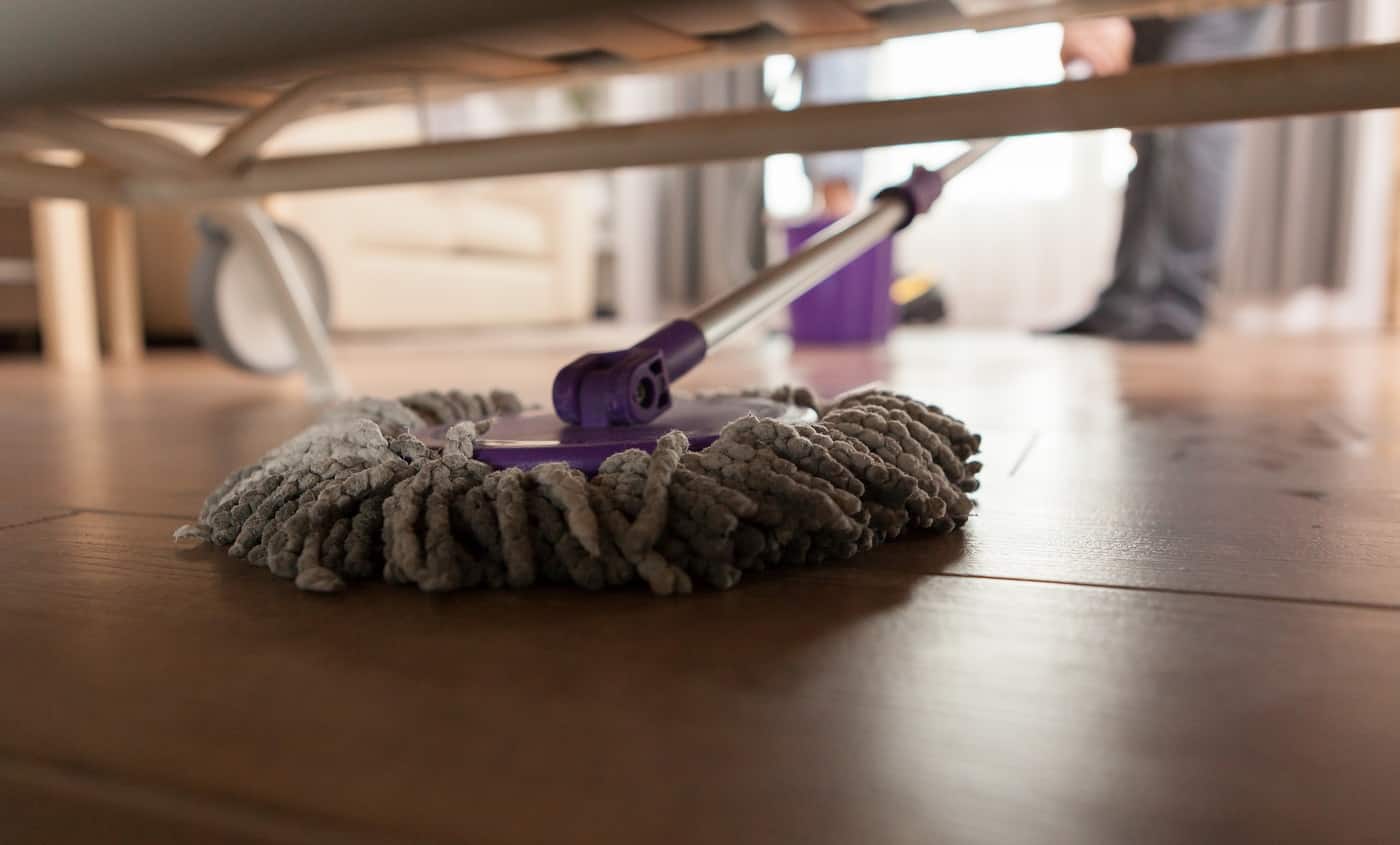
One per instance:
(1196, 171)
(1173, 212)
(1136, 262)
(1194, 165)
(1139, 238)
(1198, 162)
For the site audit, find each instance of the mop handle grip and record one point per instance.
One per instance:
(918, 193)
(924, 187)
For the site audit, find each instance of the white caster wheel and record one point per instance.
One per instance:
(236, 314)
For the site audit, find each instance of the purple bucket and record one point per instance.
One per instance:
(853, 304)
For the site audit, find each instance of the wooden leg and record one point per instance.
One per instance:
(120, 302)
(67, 306)
(1395, 237)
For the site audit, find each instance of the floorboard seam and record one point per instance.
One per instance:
(150, 514)
(1360, 605)
(1180, 591)
(50, 518)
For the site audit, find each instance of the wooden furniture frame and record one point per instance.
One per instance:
(564, 47)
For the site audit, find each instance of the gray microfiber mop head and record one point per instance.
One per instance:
(358, 496)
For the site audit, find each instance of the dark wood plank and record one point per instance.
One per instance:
(146, 439)
(1199, 469)
(155, 439)
(45, 802)
(849, 704)
(1283, 543)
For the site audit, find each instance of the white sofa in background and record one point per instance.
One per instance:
(517, 251)
(509, 252)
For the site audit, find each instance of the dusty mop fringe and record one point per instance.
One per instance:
(358, 496)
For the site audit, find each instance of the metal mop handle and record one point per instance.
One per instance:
(632, 386)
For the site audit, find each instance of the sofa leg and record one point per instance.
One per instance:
(120, 303)
(67, 298)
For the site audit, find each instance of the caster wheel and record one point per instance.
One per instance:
(236, 316)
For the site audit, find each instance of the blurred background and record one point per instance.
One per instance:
(1024, 241)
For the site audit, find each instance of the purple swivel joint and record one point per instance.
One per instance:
(629, 386)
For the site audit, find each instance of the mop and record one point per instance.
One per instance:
(624, 482)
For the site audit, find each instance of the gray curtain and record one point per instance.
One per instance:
(712, 225)
(1286, 222)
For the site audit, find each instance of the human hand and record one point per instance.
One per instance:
(838, 199)
(1104, 44)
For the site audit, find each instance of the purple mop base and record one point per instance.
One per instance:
(538, 437)
(853, 304)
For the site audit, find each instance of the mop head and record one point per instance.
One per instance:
(358, 496)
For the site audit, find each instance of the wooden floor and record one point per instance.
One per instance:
(1174, 617)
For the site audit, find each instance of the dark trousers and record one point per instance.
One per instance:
(1173, 211)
